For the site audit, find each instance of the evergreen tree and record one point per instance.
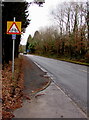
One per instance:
(9, 11)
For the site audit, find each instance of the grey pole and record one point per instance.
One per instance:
(88, 17)
(13, 55)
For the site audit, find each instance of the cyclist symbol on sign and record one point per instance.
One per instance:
(14, 29)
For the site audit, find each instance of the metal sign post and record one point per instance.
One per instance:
(13, 28)
(13, 37)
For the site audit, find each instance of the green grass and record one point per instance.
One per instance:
(66, 59)
(74, 61)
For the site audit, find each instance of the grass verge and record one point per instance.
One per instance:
(66, 59)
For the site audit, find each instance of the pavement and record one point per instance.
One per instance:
(47, 99)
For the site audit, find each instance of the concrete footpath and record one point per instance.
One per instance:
(49, 103)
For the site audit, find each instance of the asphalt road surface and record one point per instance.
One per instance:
(71, 78)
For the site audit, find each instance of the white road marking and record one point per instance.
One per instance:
(40, 67)
(84, 71)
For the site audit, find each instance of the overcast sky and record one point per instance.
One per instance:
(40, 16)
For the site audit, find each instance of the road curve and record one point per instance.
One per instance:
(71, 78)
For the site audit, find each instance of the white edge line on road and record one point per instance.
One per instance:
(48, 74)
(84, 71)
(40, 67)
(51, 76)
(70, 100)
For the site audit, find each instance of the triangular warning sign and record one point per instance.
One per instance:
(14, 29)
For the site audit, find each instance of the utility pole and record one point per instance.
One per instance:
(88, 18)
(0, 34)
(88, 50)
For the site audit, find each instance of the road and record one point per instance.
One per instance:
(71, 78)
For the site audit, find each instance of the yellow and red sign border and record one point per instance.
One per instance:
(10, 24)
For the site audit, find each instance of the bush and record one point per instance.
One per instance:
(87, 57)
